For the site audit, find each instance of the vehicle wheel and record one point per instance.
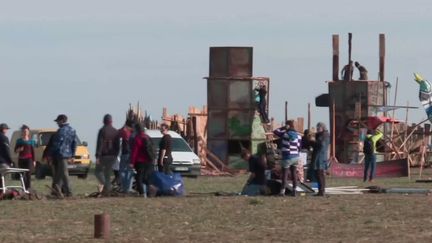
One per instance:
(83, 176)
(39, 171)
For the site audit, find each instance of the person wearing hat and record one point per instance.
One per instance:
(107, 150)
(5, 157)
(62, 152)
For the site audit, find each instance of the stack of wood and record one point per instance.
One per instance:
(136, 115)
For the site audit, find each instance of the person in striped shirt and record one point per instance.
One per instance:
(290, 149)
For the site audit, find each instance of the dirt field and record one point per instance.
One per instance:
(203, 217)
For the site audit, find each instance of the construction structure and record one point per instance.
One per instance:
(233, 120)
(358, 105)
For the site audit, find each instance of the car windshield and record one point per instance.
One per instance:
(44, 138)
(178, 145)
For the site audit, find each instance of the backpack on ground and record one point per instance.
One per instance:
(368, 146)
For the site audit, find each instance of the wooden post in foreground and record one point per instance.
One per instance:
(102, 226)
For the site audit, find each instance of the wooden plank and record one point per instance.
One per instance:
(381, 57)
(335, 40)
(212, 165)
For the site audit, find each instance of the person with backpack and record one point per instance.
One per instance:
(107, 150)
(369, 150)
(142, 157)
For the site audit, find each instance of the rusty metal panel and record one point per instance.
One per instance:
(219, 148)
(217, 124)
(375, 95)
(218, 62)
(240, 62)
(217, 94)
(240, 94)
(231, 61)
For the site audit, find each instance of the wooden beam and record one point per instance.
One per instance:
(335, 40)
(208, 162)
(309, 117)
(349, 55)
(381, 57)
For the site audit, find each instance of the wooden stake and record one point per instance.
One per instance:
(102, 226)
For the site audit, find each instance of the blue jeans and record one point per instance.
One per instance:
(370, 161)
(126, 173)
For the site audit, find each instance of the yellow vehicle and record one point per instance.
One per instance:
(80, 166)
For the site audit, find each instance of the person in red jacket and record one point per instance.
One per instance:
(142, 157)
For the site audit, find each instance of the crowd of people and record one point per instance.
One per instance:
(132, 148)
(130, 143)
(262, 178)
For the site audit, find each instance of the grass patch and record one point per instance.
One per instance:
(203, 217)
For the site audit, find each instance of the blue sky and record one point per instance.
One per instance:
(88, 58)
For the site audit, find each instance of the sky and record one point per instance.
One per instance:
(89, 58)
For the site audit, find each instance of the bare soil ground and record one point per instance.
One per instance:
(203, 217)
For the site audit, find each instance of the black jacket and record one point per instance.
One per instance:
(108, 142)
(5, 157)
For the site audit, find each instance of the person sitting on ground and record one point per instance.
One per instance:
(256, 183)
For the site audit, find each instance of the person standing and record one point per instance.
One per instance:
(262, 103)
(5, 157)
(26, 157)
(347, 71)
(126, 171)
(62, 152)
(142, 157)
(320, 156)
(107, 150)
(369, 150)
(363, 71)
(165, 146)
(290, 147)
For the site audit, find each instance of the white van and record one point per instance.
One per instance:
(185, 161)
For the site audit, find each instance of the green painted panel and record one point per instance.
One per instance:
(257, 128)
(239, 124)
